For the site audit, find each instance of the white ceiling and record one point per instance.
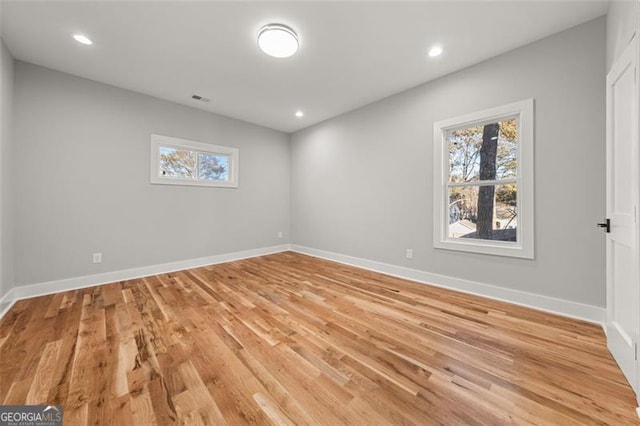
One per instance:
(351, 53)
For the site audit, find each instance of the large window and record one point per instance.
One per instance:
(483, 181)
(182, 162)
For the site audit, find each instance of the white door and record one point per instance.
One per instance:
(623, 285)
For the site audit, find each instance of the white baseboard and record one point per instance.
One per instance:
(590, 313)
(6, 302)
(563, 307)
(42, 289)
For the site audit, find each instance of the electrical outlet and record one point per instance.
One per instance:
(280, 234)
(409, 253)
(97, 257)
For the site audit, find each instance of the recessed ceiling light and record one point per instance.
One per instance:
(435, 51)
(299, 114)
(278, 40)
(81, 38)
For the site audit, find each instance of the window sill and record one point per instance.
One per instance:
(493, 248)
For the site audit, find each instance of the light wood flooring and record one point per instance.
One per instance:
(291, 339)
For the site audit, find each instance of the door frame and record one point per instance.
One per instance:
(636, 37)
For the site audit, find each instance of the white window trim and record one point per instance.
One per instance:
(166, 141)
(524, 246)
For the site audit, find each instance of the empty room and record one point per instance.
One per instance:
(319, 212)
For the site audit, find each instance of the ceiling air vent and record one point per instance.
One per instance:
(200, 98)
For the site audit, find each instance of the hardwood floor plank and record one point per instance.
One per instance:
(44, 374)
(197, 396)
(271, 410)
(290, 339)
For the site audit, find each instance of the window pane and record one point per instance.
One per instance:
(213, 166)
(177, 163)
(484, 152)
(483, 212)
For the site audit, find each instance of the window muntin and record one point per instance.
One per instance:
(181, 162)
(483, 181)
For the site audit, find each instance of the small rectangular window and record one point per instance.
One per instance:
(483, 181)
(182, 162)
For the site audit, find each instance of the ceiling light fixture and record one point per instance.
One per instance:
(435, 51)
(81, 38)
(299, 114)
(278, 40)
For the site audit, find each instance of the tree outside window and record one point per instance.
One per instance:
(482, 155)
(483, 181)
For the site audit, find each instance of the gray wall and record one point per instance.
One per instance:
(622, 23)
(82, 152)
(6, 124)
(361, 183)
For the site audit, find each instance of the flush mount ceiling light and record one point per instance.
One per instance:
(435, 51)
(299, 114)
(278, 40)
(81, 38)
